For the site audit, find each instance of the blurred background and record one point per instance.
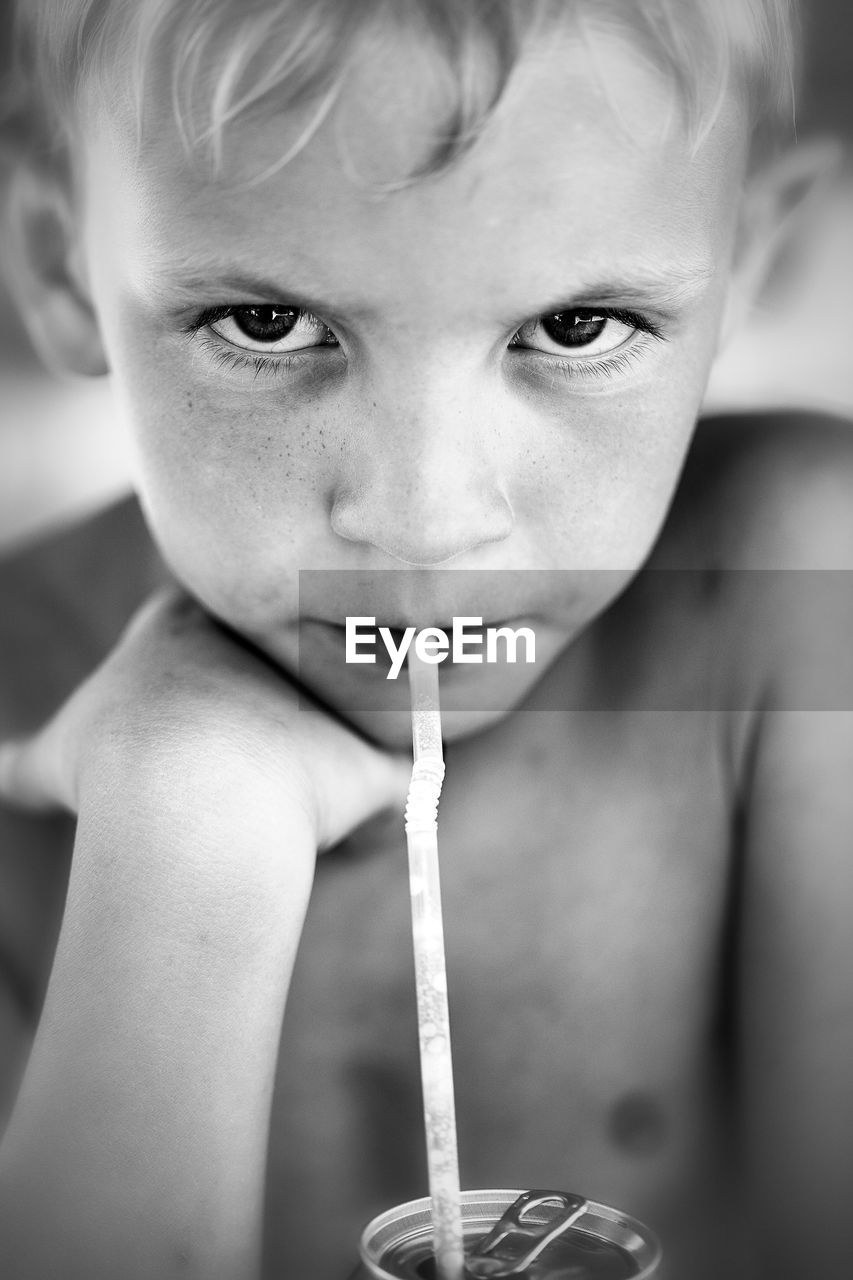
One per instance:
(797, 349)
(63, 455)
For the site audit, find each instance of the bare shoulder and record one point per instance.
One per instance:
(63, 603)
(768, 491)
(761, 535)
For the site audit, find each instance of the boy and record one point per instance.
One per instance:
(423, 294)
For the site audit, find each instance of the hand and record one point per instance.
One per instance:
(177, 681)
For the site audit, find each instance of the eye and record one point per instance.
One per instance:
(583, 330)
(269, 328)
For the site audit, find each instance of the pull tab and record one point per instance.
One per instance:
(495, 1257)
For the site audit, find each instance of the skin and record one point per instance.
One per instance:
(588, 856)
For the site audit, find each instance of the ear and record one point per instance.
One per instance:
(46, 272)
(776, 204)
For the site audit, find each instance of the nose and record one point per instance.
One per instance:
(423, 484)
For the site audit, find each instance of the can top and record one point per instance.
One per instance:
(522, 1234)
(534, 1235)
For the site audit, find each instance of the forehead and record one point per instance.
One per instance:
(584, 166)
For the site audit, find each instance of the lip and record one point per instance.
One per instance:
(399, 628)
(420, 598)
(331, 637)
(398, 631)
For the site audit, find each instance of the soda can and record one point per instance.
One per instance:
(526, 1235)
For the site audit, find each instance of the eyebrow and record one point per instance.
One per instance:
(665, 287)
(216, 286)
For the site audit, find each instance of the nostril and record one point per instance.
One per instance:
(419, 533)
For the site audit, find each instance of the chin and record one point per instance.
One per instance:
(381, 709)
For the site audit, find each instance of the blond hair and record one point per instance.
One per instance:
(224, 60)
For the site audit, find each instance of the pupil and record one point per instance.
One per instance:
(266, 324)
(574, 328)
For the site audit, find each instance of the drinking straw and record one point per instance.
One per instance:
(430, 970)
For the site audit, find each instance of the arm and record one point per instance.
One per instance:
(140, 1130)
(796, 1014)
(796, 957)
(138, 1141)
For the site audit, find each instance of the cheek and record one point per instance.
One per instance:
(600, 490)
(232, 486)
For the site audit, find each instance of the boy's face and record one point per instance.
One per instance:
(495, 368)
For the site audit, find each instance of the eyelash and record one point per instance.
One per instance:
(231, 357)
(618, 361)
(260, 365)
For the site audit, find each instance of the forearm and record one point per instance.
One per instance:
(138, 1142)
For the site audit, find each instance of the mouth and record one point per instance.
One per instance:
(473, 624)
(385, 646)
(492, 671)
(399, 634)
